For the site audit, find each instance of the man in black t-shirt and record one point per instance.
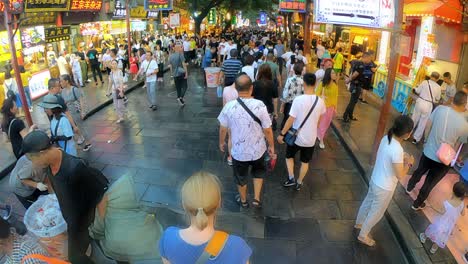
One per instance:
(93, 58)
(78, 187)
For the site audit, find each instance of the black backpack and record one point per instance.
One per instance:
(293, 59)
(271, 51)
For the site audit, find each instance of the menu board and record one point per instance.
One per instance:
(158, 5)
(46, 5)
(33, 36)
(367, 13)
(85, 5)
(293, 6)
(54, 34)
(174, 20)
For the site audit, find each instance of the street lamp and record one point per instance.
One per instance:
(8, 12)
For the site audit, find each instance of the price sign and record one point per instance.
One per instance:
(158, 5)
(86, 5)
(46, 5)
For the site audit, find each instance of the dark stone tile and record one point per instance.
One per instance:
(115, 172)
(298, 229)
(332, 192)
(272, 251)
(316, 209)
(343, 177)
(231, 224)
(140, 189)
(157, 177)
(163, 196)
(337, 230)
(349, 209)
(168, 217)
(359, 192)
(324, 253)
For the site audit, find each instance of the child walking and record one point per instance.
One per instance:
(439, 231)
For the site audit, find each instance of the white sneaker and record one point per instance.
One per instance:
(321, 145)
(422, 238)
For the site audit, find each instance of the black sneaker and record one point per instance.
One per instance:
(298, 186)
(87, 147)
(422, 206)
(289, 182)
(154, 108)
(182, 101)
(179, 100)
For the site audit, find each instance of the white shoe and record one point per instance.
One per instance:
(422, 238)
(321, 145)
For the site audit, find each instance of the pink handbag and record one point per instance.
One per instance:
(446, 153)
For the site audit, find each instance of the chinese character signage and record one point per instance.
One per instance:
(46, 5)
(293, 6)
(39, 18)
(138, 12)
(119, 11)
(367, 13)
(85, 5)
(95, 28)
(54, 34)
(212, 16)
(158, 5)
(153, 14)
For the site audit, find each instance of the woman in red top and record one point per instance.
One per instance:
(133, 65)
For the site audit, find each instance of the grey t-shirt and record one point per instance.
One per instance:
(456, 130)
(71, 94)
(22, 171)
(176, 60)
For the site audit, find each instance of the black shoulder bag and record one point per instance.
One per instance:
(291, 135)
(254, 117)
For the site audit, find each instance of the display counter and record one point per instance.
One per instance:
(401, 89)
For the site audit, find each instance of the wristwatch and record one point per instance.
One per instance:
(281, 134)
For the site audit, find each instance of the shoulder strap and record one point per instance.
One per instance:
(430, 91)
(310, 112)
(57, 126)
(44, 258)
(214, 247)
(254, 117)
(445, 125)
(149, 63)
(9, 127)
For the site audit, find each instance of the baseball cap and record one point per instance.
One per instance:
(50, 101)
(35, 142)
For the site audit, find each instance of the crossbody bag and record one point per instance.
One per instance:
(55, 138)
(179, 71)
(446, 153)
(291, 136)
(214, 247)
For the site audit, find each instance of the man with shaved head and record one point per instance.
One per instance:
(248, 120)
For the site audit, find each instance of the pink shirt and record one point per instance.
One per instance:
(229, 94)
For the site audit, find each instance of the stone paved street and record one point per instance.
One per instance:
(161, 149)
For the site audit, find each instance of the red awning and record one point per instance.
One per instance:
(450, 10)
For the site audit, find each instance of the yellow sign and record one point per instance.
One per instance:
(138, 12)
(5, 53)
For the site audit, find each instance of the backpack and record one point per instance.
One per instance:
(271, 51)
(293, 59)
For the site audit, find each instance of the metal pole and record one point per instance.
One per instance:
(14, 62)
(307, 21)
(129, 35)
(392, 68)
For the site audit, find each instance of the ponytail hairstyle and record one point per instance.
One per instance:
(201, 197)
(327, 79)
(8, 104)
(401, 126)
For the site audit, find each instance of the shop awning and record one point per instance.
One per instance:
(450, 10)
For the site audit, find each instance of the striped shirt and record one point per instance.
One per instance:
(231, 68)
(23, 246)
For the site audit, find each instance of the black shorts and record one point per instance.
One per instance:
(306, 152)
(241, 170)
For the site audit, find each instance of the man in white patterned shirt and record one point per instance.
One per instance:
(248, 132)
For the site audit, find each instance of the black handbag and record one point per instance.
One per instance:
(291, 135)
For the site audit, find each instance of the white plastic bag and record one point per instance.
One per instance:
(44, 217)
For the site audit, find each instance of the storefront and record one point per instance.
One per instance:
(5, 54)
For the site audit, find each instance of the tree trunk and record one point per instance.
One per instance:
(198, 22)
(290, 31)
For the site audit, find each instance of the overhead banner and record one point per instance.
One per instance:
(45, 5)
(138, 12)
(85, 5)
(174, 20)
(54, 34)
(212, 16)
(366, 13)
(293, 5)
(39, 18)
(158, 5)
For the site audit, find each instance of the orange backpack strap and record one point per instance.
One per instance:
(48, 260)
(214, 247)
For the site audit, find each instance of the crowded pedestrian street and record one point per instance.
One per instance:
(215, 131)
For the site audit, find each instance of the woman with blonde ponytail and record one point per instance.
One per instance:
(201, 199)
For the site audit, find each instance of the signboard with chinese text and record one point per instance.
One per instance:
(158, 5)
(138, 12)
(119, 11)
(85, 5)
(212, 16)
(54, 34)
(293, 6)
(39, 18)
(38, 84)
(366, 13)
(45, 5)
(174, 20)
(153, 14)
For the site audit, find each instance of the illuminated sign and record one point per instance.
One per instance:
(138, 12)
(138, 25)
(367, 13)
(33, 36)
(95, 28)
(212, 16)
(153, 14)
(119, 11)
(292, 6)
(158, 5)
(85, 5)
(46, 5)
(55, 34)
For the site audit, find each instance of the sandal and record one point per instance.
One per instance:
(366, 241)
(256, 203)
(242, 204)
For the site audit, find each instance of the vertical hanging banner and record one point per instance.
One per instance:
(293, 6)
(174, 20)
(158, 5)
(212, 16)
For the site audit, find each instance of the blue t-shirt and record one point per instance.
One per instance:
(173, 248)
(64, 129)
